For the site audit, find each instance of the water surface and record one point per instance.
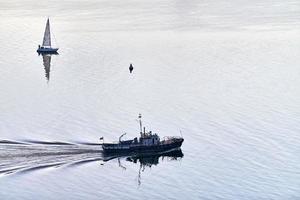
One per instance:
(224, 73)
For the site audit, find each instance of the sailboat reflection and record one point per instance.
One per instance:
(147, 160)
(47, 64)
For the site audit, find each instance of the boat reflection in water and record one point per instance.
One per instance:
(47, 63)
(146, 160)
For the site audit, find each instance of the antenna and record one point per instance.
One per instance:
(141, 129)
(180, 133)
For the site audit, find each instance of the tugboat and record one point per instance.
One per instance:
(148, 142)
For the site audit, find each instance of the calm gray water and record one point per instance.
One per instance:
(225, 73)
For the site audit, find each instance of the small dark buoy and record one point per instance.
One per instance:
(130, 68)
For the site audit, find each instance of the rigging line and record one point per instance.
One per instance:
(55, 39)
(52, 33)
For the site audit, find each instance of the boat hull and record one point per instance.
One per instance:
(117, 148)
(47, 50)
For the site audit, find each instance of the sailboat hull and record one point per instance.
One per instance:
(47, 50)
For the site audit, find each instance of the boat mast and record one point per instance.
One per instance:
(141, 129)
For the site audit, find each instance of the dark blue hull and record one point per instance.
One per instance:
(47, 50)
(119, 149)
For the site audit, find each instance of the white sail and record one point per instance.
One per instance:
(47, 36)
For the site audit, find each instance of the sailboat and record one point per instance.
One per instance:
(46, 47)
